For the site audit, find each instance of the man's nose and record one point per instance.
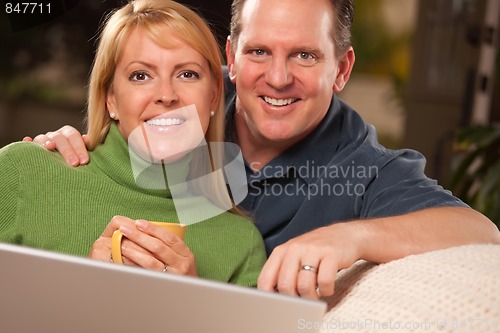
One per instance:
(278, 74)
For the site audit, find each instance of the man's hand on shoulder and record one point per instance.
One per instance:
(70, 143)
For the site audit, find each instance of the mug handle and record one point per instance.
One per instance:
(116, 247)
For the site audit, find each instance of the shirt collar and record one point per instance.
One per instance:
(304, 159)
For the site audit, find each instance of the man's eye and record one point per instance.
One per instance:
(138, 76)
(305, 55)
(189, 75)
(305, 58)
(258, 52)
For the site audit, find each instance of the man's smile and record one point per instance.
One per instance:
(279, 102)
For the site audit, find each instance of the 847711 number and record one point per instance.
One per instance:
(27, 8)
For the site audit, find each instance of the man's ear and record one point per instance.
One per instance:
(346, 63)
(230, 60)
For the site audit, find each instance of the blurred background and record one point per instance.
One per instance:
(426, 76)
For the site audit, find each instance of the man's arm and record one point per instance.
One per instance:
(338, 246)
(70, 143)
(402, 212)
(412, 234)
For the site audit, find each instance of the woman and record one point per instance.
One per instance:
(155, 57)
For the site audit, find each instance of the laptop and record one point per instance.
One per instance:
(42, 291)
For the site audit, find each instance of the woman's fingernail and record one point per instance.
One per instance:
(125, 230)
(46, 143)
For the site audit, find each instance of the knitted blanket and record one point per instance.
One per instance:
(452, 290)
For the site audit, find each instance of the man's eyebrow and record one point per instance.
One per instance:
(312, 50)
(308, 49)
(256, 46)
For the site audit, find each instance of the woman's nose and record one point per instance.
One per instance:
(166, 94)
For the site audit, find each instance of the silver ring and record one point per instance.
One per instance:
(165, 270)
(308, 268)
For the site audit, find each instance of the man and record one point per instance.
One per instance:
(312, 164)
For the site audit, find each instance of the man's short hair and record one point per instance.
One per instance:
(341, 34)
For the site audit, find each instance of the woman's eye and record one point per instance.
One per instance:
(189, 75)
(139, 76)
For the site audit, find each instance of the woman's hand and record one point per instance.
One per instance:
(146, 245)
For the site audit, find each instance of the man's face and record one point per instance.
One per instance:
(285, 69)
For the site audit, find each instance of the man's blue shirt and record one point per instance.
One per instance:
(336, 174)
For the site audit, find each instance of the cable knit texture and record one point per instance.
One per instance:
(48, 204)
(452, 290)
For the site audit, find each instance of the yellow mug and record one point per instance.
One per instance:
(116, 241)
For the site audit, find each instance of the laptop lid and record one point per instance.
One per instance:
(42, 291)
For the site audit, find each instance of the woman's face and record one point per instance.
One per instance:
(161, 97)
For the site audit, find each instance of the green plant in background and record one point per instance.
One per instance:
(475, 174)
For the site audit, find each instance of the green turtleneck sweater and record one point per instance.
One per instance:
(50, 205)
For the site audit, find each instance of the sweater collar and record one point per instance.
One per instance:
(119, 163)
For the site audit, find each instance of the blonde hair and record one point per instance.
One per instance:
(154, 16)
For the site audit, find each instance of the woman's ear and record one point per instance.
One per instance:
(346, 63)
(111, 104)
(215, 98)
(230, 60)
